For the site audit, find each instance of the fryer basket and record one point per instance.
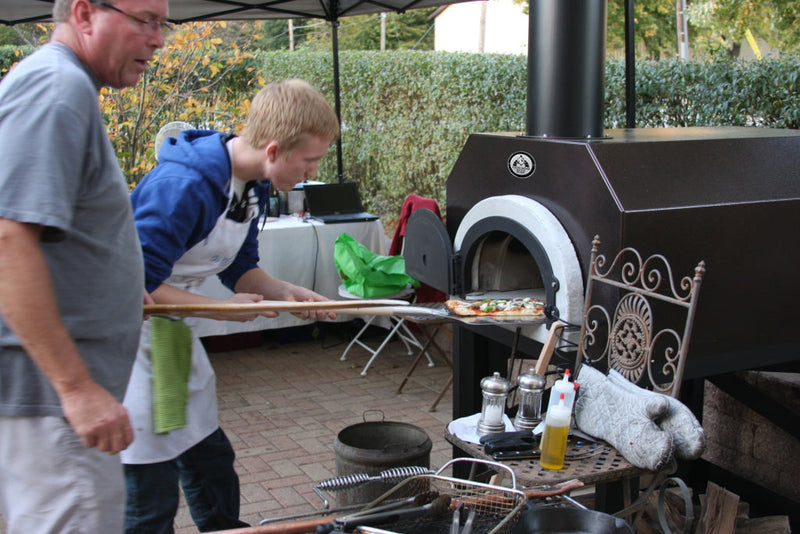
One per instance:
(497, 507)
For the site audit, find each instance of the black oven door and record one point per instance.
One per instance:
(428, 251)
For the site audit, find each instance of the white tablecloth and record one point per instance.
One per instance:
(300, 252)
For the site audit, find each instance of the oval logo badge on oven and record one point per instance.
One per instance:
(521, 164)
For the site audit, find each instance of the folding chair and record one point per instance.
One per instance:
(431, 328)
(397, 327)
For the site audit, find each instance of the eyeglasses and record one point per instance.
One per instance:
(152, 25)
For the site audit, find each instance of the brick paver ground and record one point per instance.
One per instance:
(283, 403)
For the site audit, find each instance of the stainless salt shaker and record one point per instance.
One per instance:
(495, 390)
(531, 386)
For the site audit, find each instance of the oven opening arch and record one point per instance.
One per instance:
(499, 255)
(511, 240)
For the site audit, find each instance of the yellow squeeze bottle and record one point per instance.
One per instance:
(554, 439)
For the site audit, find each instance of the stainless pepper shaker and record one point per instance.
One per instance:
(531, 386)
(495, 390)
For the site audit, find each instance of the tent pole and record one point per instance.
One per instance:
(337, 96)
(630, 68)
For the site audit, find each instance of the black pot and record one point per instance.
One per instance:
(376, 446)
(539, 520)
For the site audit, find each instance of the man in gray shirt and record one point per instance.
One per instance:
(71, 271)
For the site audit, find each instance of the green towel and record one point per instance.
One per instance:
(171, 356)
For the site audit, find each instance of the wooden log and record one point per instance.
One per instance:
(675, 511)
(720, 511)
(775, 524)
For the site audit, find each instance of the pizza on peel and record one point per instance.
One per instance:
(527, 307)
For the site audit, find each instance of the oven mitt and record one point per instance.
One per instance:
(687, 433)
(171, 357)
(625, 420)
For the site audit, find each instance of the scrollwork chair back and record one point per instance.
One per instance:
(619, 330)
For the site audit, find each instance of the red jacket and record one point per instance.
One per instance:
(425, 293)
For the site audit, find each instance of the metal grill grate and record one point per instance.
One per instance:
(606, 463)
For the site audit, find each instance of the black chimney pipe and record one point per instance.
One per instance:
(566, 67)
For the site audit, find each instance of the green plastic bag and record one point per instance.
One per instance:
(367, 274)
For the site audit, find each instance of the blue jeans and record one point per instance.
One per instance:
(210, 486)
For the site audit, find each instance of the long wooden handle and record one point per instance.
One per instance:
(309, 525)
(547, 349)
(267, 305)
(395, 310)
(533, 493)
(557, 489)
(294, 527)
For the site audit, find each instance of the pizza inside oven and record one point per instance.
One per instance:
(522, 306)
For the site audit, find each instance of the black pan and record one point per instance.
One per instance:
(557, 520)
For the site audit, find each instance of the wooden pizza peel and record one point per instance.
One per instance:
(200, 310)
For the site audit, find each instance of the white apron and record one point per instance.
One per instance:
(207, 258)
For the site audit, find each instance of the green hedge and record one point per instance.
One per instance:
(406, 115)
(721, 93)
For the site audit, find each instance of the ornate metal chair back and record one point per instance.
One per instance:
(624, 300)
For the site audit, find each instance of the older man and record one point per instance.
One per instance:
(71, 271)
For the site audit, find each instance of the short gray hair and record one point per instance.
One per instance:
(61, 9)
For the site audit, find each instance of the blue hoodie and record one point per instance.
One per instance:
(179, 202)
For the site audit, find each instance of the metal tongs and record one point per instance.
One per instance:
(429, 504)
(455, 526)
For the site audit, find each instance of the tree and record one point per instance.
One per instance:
(183, 83)
(25, 34)
(407, 31)
(715, 26)
(270, 34)
(722, 24)
(654, 29)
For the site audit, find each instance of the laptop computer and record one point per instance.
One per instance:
(336, 203)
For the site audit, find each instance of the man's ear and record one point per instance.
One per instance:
(82, 11)
(272, 150)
